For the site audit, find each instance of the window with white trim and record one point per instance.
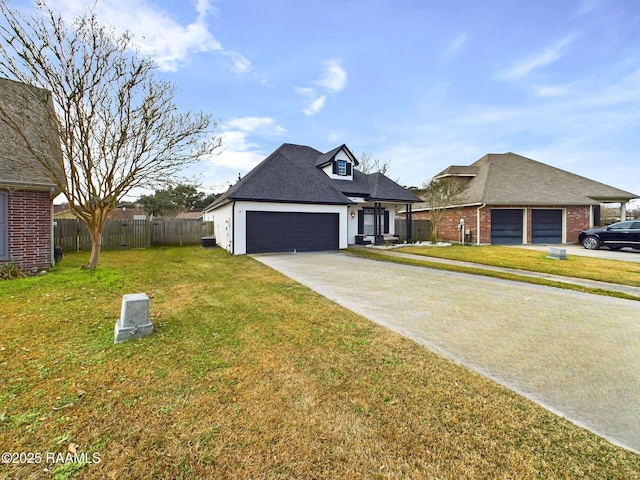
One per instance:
(342, 167)
(368, 221)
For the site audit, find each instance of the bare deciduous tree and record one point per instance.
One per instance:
(439, 193)
(369, 165)
(118, 125)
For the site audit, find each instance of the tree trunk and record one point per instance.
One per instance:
(435, 222)
(96, 243)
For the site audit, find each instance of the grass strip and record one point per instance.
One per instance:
(380, 256)
(588, 268)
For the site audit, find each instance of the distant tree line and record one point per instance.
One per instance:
(174, 200)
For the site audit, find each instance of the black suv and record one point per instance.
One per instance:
(615, 236)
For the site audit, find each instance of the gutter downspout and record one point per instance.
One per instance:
(478, 223)
(52, 259)
(233, 228)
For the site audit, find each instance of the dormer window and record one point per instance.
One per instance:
(342, 168)
(338, 163)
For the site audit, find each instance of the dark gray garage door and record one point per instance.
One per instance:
(506, 226)
(289, 231)
(546, 226)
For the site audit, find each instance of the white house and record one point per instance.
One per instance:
(299, 199)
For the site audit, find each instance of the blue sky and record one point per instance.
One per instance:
(421, 84)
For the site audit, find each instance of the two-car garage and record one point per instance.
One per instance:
(509, 226)
(269, 231)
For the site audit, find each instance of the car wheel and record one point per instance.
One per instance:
(591, 243)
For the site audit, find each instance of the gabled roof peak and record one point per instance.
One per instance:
(326, 158)
(508, 156)
(458, 171)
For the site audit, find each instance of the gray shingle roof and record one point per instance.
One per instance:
(327, 158)
(31, 108)
(383, 188)
(458, 171)
(291, 174)
(511, 179)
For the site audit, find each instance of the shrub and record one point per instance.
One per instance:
(9, 271)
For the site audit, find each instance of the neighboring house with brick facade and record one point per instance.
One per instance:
(509, 199)
(26, 188)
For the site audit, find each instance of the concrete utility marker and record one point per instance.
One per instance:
(134, 318)
(557, 253)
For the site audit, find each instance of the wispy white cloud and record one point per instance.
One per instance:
(419, 160)
(315, 106)
(587, 6)
(241, 65)
(456, 46)
(332, 80)
(550, 90)
(314, 103)
(624, 91)
(334, 77)
(240, 153)
(306, 92)
(156, 32)
(204, 7)
(543, 59)
(491, 115)
(265, 126)
(583, 127)
(242, 140)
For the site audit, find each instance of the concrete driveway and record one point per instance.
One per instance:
(574, 353)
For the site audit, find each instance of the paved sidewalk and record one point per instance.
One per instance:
(615, 287)
(625, 255)
(576, 354)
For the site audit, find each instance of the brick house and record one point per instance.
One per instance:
(509, 199)
(27, 189)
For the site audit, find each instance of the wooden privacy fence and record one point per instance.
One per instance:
(73, 235)
(179, 232)
(421, 229)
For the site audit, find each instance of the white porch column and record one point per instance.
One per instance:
(623, 211)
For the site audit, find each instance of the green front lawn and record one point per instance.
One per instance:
(251, 375)
(625, 273)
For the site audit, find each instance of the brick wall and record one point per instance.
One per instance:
(577, 219)
(30, 229)
(448, 228)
